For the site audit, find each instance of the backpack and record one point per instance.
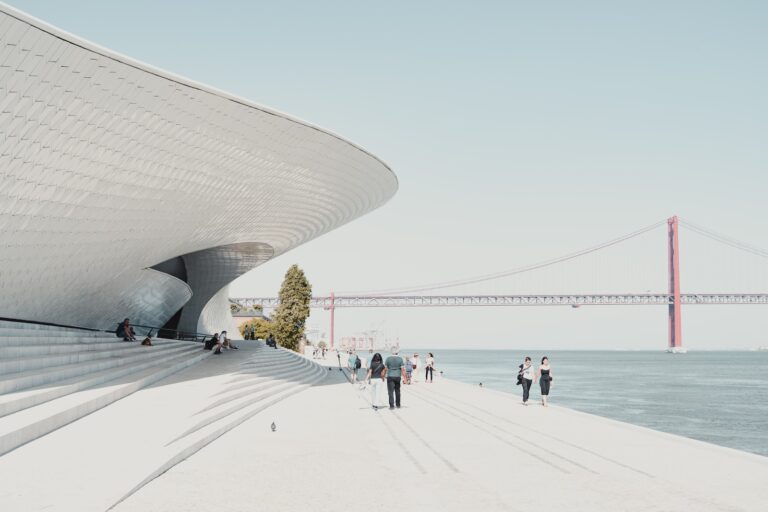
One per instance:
(358, 363)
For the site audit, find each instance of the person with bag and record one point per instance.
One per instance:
(352, 366)
(544, 374)
(377, 373)
(527, 378)
(416, 363)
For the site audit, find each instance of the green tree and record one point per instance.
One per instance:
(263, 327)
(292, 313)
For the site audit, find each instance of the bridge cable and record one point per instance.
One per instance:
(732, 242)
(511, 272)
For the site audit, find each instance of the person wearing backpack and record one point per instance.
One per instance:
(352, 365)
(526, 376)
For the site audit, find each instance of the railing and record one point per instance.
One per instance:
(172, 334)
(139, 330)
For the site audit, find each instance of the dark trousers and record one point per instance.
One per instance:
(526, 389)
(393, 390)
(428, 375)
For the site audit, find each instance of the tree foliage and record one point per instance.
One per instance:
(291, 315)
(263, 327)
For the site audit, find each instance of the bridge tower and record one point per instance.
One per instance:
(332, 307)
(675, 325)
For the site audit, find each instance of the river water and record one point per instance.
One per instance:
(718, 397)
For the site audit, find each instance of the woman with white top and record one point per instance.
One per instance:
(430, 366)
(544, 374)
(528, 378)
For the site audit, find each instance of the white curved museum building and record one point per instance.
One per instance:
(127, 191)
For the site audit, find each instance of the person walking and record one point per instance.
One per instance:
(544, 374)
(395, 372)
(408, 370)
(352, 365)
(527, 378)
(429, 368)
(416, 362)
(377, 373)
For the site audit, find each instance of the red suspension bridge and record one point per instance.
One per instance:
(673, 298)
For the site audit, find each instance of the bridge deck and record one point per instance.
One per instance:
(636, 299)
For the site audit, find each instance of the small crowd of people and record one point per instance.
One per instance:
(249, 333)
(527, 375)
(392, 372)
(219, 341)
(319, 352)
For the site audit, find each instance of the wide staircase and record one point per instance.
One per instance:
(162, 408)
(263, 377)
(52, 376)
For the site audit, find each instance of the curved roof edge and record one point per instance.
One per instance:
(110, 54)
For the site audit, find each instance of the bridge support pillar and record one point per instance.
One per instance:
(675, 325)
(333, 310)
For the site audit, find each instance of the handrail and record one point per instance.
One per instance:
(148, 330)
(175, 334)
(51, 324)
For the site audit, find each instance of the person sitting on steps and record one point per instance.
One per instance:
(125, 331)
(213, 342)
(226, 342)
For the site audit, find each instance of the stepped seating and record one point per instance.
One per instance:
(52, 376)
(266, 377)
(151, 430)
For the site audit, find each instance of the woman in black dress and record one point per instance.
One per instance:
(545, 378)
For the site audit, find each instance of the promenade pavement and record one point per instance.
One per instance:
(451, 447)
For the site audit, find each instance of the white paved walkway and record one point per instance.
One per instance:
(452, 447)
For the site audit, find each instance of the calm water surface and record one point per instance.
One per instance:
(718, 397)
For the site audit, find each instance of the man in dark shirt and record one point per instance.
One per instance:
(395, 372)
(125, 331)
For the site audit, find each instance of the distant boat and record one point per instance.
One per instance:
(677, 350)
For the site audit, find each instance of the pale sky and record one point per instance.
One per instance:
(519, 131)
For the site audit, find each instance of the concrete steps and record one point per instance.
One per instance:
(16, 401)
(157, 416)
(50, 377)
(16, 381)
(241, 399)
